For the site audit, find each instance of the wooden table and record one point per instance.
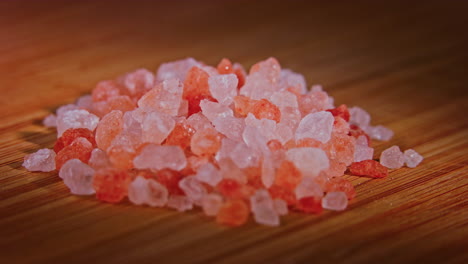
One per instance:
(405, 62)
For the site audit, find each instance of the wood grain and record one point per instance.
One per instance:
(405, 62)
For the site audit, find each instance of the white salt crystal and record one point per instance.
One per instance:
(379, 132)
(99, 159)
(147, 191)
(412, 158)
(310, 161)
(156, 126)
(138, 81)
(362, 151)
(76, 119)
(359, 117)
(42, 160)
(211, 203)
(166, 97)
(289, 79)
(78, 177)
(50, 121)
(160, 157)
(193, 189)
(198, 122)
(214, 110)
(263, 209)
(284, 99)
(209, 174)
(308, 188)
(317, 125)
(223, 87)
(137, 190)
(176, 69)
(336, 201)
(392, 158)
(231, 127)
(179, 202)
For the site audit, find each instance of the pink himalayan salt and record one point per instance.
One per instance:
(176, 69)
(317, 126)
(78, 177)
(209, 174)
(379, 132)
(336, 201)
(211, 203)
(205, 142)
(65, 108)
(268, 171)
(198, 121)
(412, 158)
(223, 87)
(156, 126)
(179, 202)
(392, 158)
(310, 161)
(314, 101)
(244, 156)
(266, 127)
(231, 127)
(253, 138)
(308, 188)
(362, 151)
(284, 99)
(193, 189)
(290, 79)
(160, 157)
(85, 102)
(42, 160)
(50, 121)
(76, 119)
(263, 208)
(359, 117)
(263, 80)
(229, 170)
(281, 207)
(213, 110)
(108, 128)
(99, 159)
(166, 98)
(138, 82)
(147, 191)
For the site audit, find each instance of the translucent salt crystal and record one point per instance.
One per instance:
(50, 121)
(156, 127)
(308, 188)
(108, 128)
(229, 170)
(214, 110)
(76, 119)
(412, 158)
(317, 125)
(198, 121)
(183, 108)
(166, 97)
(379, 132)
(266, 127)
(231, 127)
(244, 156)
(179, 202)
(359, 117)
(42, 160)
(227, 145)
(223, 87)
(290, 117)
(147, 191)
(314, 101)
(176, 69)
(392, 158)
(209, 174)
(157, 194)
(78, 177)
(254, 138)
(65, 108)
(211, 203)
(310, 161)
(85, 102)
(281, 207)
(316, 88)
(263, 80)
(263, 208)
(336, 201)
(283, 133)
(268, 172)
(99, 159)
(137, 190)
(362, 151)
(160, 157)
(193, 189)
(292, 79)
(284, 99)
(138, 81)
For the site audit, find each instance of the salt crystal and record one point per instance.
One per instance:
(160, 157)
(138, 81)
(281, 207)
(266, 127)
(213, 110)
(284, 99)
(308, 188)
(156, 126)
(65, 108)
(336, 201)
(229, 170)
(412, 158)
(263, 209)
(42, 160)
(392, 158)
(166, 97)
(147, 191)
(176, 69)
(223, 87)
(85, 102)
(78, 177)
(137, 191)
(292, 79)
(180, 203)
(76, 119)
(244, 156)
(231, 127)
(310, 161)
(359, 117)
(362, 151)
(379, 132)
(268, 172)
(198, 121)
(50, 121)
(209, 174)
(211, 204)
(193, 189)
(99, 159)
(317, 125)
(254, 138)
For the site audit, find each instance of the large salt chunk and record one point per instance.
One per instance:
(166, 97)
(290, 79)
(244, 156)
(362, 151)
(214, 110)
(78, 177)
(336, 201)
(229, 170)
(284, 99)
(198, 121)
(254, 138)
(209, 174)
(262, 207)
(223, 87)
(176, 69)
(263, 80)
(193, 189)
(308, 188)
(76, 119)
(99, 159)
(317, 125)
(359, 117)
(310, 161)
(42, 160)
(412, 158)
(231, 127)
(160, 157)
(266, 127)
(138, 82)
(392, 158)
(156, 127)
(147, 191)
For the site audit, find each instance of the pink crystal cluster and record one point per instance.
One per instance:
(232, 143)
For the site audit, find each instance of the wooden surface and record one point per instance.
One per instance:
(405, 62)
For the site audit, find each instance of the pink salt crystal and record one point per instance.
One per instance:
(316, 88)
(137, 190)
(336, 201)
(231, 127)
(244, 156)
(308, 188)
(412, 158)
(263, 80)
(283, 133)
(157, 194)
(209, 174)
(266, 127)
(108, 128)
(166, 98)
(214, 110)
(268, 172)
(281, 207)
(78, 177)
(198, 121)
(227, 145)
(392, 158)
(362, 151)
(85, 102)
(179, 202)
(314, 101)
(211, 203)
(139, 81)
(42, 160)
(156, 126)
(379, 132)
(317, 125)
(147, 191)
(263, 209)
(176, 69)
(183, 108)
(160, 157)
(193, 189)
(76, 119)
(99, 159)
(65, 108)
(290, 79)
(310, 161)
(359, 117)
(290, 117)
(229, 170)
(223, 87)
(50, 121)
(254, 138)
(284, 99)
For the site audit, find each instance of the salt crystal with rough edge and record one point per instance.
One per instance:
(268, 172)
(76, 119)
(359, 117)
(227, 145)
(290, 79)
(78, 177)
(209, 174)
(156, 126)
(137, 190)
(176, 69)
(85, 102)
(310, 161)
(108, 128)
(42, 160)
(290, 117)
(179, 202)
(229, 170)
(211, 203)
(379, 132)
(266, 127)
(244, 156)
(336, 201)
(99, 159)
(166, 97)
(263, 209)
(316, 88)
(392, 158)
(253, 137)
(231, 127)
(283, 133)
(158, 194)
(284, 99)
(65, 108)
(214, 110)
(317, 125)
(412, 158)
(198, 121)
(281, 207)
(362, 151)
(223, 87)
(138, 81)
(160, 157)
(308, 188)
(50, 121)
(193, 189)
